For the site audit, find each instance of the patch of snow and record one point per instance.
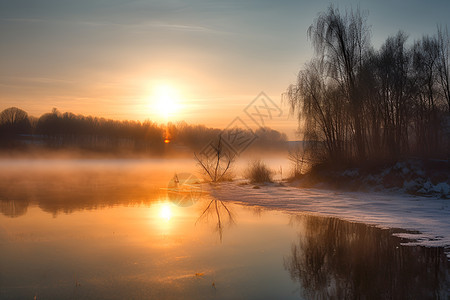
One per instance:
(427, 186)
(443, 188)
(411, 186)
(404, 176)
(427, 215)
(351, 173)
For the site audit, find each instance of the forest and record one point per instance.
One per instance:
(358, 104)
(20, 132)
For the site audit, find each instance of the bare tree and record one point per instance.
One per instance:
(216, 163)
(297, 157)
(443, 67)
(426, 121)
(394, 93)
(358, 104)
(13, 120)
(321, 109)
(342, 42)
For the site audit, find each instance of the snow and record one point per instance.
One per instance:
(442, 188)
(428, 216)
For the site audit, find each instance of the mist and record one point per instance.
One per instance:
(66, 135)
(65, 185)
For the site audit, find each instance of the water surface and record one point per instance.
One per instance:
(113, 230)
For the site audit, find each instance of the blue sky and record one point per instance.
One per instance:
(105, 57)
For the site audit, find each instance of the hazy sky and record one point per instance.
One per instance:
(107, 57)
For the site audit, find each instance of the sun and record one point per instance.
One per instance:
(166, 101)
(165, 212)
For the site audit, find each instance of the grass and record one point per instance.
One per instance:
(258, 172)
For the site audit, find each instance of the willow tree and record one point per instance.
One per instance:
(343, 41)
(323, 116)
(341, 44)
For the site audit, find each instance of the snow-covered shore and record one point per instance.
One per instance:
(429, 178)
(428, 216)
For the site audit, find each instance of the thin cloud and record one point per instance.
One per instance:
(22, 20)
(143, 25)
(46, 80)
(183, 27)
(156, 24)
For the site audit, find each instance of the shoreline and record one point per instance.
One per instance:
(418, 177)
(426, 219)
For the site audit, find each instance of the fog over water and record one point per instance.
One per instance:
(65, 185)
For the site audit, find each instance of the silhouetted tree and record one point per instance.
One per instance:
(426, 121)
(342, 42)
(14, 121)
(67, 130)
(394, 93)
(216, 161)
(355, 104)
(443, 65)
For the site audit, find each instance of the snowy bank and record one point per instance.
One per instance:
(428, 217)
(414, 176)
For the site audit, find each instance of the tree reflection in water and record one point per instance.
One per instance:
(343, 260)
(13, 208)
(60, 191)
(217, 209)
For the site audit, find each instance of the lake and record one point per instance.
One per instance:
(130, 229)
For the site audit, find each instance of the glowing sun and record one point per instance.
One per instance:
(165, 212)
(166, 100)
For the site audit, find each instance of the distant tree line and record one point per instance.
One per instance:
(56, 130)
(355, 103)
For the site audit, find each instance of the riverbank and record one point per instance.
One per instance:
(426, 218)
(429, 178)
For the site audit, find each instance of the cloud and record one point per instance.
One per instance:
(136, 25)
(22, 20)
(156, 25)
(16, 80)
(183, 27)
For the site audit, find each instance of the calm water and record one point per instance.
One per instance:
(102, 229)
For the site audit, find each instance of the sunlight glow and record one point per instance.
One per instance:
(166, 100)
(165, 212)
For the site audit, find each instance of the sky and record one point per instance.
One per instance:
(119, 59)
